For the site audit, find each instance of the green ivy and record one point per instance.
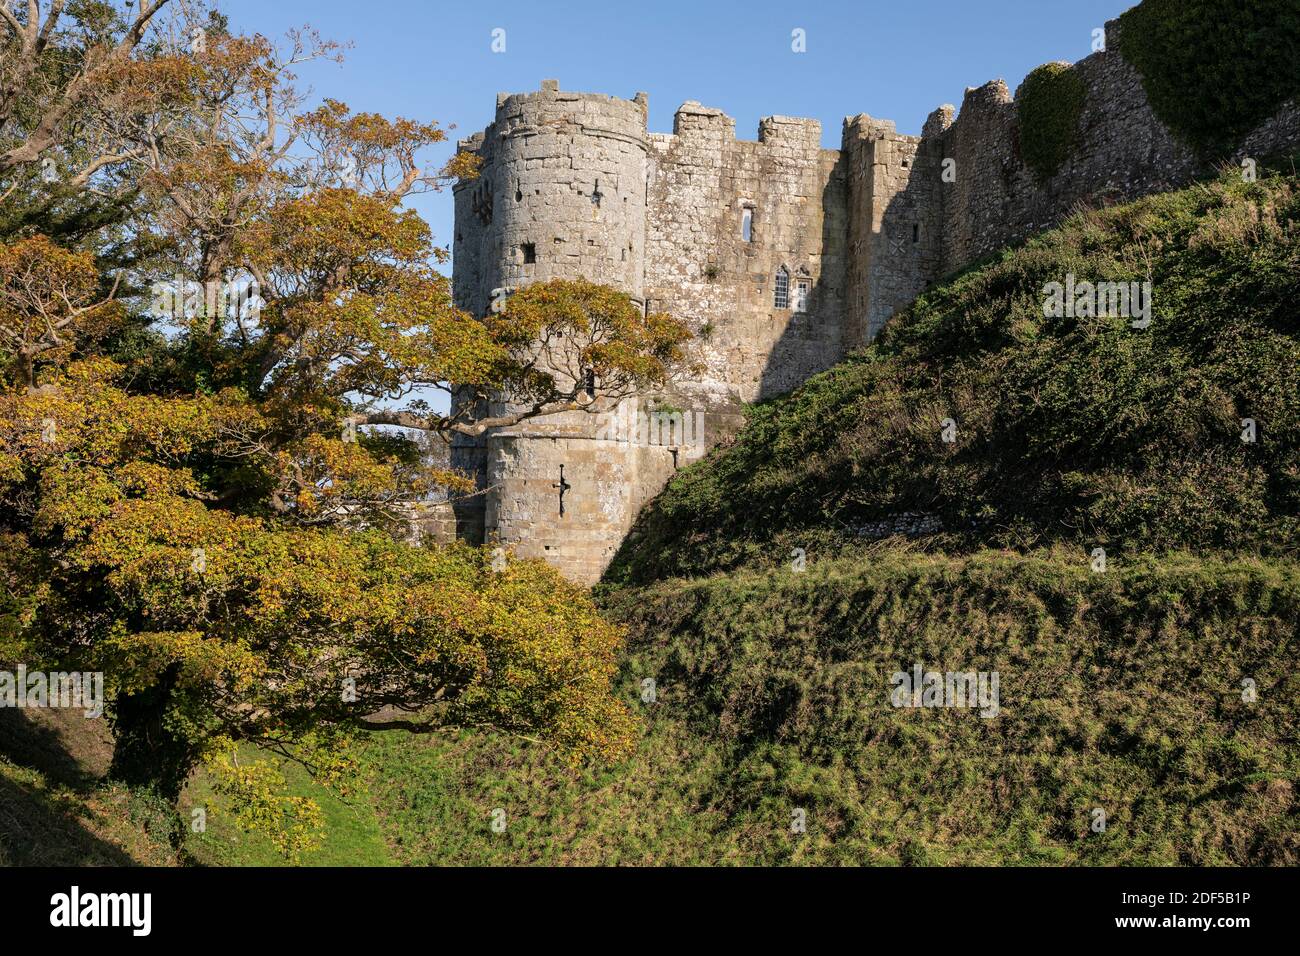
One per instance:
(1049, 105)
(1213, 70)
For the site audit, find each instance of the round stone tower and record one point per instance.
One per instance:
(561, 194)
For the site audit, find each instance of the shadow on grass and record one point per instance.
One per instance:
(41, 826)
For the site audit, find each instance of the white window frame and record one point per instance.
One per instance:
(781, 289)
(802, 293)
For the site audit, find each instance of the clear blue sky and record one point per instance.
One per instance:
(894, 59)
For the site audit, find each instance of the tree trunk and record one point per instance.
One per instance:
(149, 751)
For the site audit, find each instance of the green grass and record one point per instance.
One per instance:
(1120, 690)
(352, 835)
(55, 807)
(439, 809)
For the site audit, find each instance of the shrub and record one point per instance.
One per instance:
(1214, 69)
(1049, 106)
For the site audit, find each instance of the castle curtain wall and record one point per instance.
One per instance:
(573, 185)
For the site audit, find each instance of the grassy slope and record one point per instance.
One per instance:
(55, 809)
(1118, 690)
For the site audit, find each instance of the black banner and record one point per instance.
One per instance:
(335, 906)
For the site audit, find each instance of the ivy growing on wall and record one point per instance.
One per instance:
(1213, 70)
(1049, 106)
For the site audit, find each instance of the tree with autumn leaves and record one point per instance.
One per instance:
(211, 504)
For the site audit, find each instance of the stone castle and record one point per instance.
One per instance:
(782, 257)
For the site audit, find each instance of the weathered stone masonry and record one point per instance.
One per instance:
(705, 226)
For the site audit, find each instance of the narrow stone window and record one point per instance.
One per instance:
(528, 251)
(562, 486)
(916, 233)
(781, 297)
(802, 290)
(481, 202)
(747, 224)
